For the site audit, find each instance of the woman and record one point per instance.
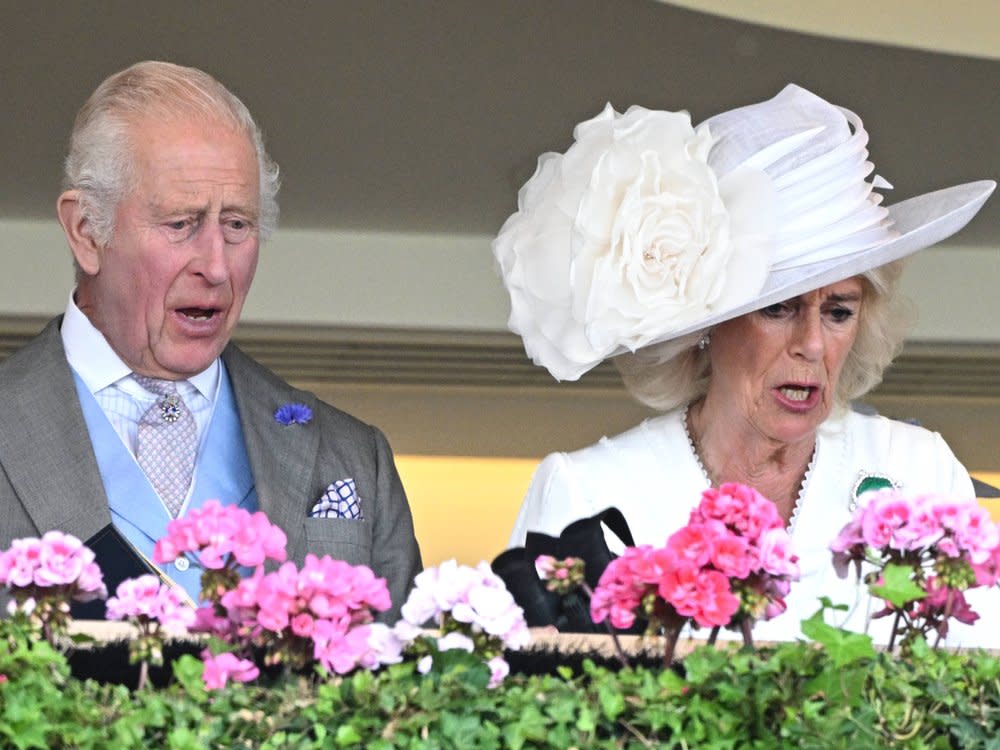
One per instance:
(743, 276)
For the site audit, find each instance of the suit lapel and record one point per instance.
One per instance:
(282, 458)
(44, 448)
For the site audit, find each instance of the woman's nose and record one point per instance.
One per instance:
(807, 337)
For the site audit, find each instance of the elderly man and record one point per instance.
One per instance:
(133, 408)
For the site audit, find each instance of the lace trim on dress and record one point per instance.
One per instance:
(708, 479)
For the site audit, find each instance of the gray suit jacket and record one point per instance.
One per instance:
(49, 477)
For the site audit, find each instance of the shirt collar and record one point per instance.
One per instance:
(97, 364)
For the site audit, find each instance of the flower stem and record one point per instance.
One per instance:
(619, 651)
(668, 650)
(713, 636)
(895, 629)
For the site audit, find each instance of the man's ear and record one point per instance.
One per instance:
(78, 232)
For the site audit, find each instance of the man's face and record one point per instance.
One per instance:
(169, 288)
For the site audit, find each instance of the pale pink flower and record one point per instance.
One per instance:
(776, 555)
(885, 513)
(221, 668)
(147, 599)
(929, 534)
(57, 561)
(18, 563)
(219, 533)
(61, 559)
(988, 572)
(499, 669)
(545, 566)
(342, 652)
(385, 644)
(979, 536)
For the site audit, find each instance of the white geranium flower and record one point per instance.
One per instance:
(629, 237)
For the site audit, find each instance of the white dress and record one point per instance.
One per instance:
(652, 474)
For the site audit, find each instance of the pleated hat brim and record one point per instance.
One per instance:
(920, 222)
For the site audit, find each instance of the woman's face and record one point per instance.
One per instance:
(776, 369)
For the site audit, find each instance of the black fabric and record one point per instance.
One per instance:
(985, 490)
(118, 561)
(583, 539)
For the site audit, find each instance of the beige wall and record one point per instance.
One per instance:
(448, 282)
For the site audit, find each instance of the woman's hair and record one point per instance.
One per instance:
(665, 376)
(100, 163)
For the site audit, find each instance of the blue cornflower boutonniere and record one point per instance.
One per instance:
(287, 414)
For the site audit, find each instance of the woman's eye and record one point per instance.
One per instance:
(777, 310)
(841, 314)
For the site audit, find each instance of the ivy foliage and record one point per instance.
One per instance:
(835, 693)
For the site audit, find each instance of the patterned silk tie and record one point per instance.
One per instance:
(168, 442)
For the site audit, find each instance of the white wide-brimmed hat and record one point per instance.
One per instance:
(648, 229)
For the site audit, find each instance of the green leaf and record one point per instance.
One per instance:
(188, 672)
(347, 735)
(842, 647)
(898, 586)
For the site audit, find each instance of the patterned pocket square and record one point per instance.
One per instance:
(340, 500)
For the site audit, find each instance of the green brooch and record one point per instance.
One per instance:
(869, 481)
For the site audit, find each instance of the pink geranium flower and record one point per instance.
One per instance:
(221, 668)
(219, 534)
(42, 575)
(306, 614)
(147, 599)
(730, 565)
(948, 545)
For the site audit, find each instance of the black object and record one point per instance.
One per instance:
(984, 490)
(584, 539)
(118, 560)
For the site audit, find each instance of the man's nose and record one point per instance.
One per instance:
(211, 262)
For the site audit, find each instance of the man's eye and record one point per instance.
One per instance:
(178, 225)
(236, 230)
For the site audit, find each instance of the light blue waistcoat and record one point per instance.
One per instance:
(222, 472)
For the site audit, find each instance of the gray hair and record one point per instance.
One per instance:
(100, 162)
(679, 372)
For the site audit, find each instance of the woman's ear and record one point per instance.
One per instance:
(78, 232)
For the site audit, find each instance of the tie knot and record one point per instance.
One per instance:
(159, 386)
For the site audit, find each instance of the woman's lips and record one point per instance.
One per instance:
(797, 396)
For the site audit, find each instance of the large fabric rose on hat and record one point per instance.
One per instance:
(629, 237)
